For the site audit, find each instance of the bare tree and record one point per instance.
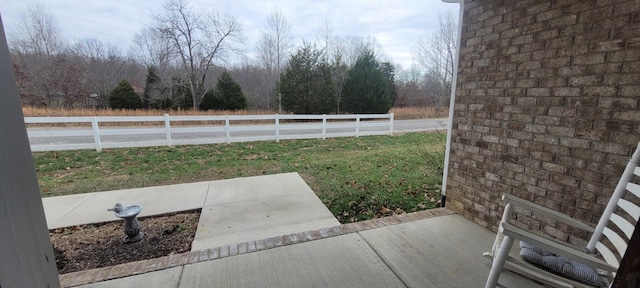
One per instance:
(341, 52)
(66, 82)
(333, 53)
(273, 49)
(198, 39)
(275, 42)
(352, 47)
(437, 91)
(56, 74)
(409, 86)
(104, 67)
(152, 50)
(149, 48)
(347, 48)
(38, 32)
(435, 54)
(37, 46)
(255, 81)
(325, 34)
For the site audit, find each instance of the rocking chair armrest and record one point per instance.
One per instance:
(556, 247)
(515, 201)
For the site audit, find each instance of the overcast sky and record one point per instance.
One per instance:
(396, 24)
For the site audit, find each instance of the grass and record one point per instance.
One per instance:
(356, 178)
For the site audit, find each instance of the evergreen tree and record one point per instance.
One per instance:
(124, 97)
(210, 101)
(306, 86)
(227, 95)
(366, 89)
(152, 87)
(389, 73)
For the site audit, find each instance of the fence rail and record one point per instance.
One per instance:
(95, 134)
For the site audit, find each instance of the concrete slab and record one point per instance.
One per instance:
(167, 278)
(154, 200)
(439, 252)
(343, 261)
(55, 208)
(256, 188)
(239, 222)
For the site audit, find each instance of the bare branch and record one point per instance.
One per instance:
(275, 42)
(38, 32)
(197, 39)
(436, 52)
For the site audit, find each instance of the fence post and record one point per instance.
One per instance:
(391, 124)
(357, 125)
(324, 126)
(96, 134)
(167, 127)
(277, 127)
(227, 128)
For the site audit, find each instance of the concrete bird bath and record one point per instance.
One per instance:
(131, 223)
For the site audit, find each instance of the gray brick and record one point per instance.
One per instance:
(593, 58)
(538, 92)
(566, 91)
(556, 97)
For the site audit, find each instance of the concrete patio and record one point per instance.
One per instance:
(273, 231)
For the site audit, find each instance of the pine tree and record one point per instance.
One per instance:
(152, 87)
(124, 97)
(227, 95)
(389, 73)
(307, 85)
(210, 101)
(366, 89)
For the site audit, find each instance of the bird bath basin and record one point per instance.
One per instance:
(131, 223)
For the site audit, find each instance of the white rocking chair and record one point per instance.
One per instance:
(614, 229)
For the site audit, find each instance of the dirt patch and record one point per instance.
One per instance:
(91, 246)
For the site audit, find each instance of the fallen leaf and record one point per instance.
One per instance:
(385, 210)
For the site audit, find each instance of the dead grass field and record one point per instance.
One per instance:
(404, 113)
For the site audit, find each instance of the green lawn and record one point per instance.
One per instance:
(357, 178)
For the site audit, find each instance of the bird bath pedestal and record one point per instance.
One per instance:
(131, 223)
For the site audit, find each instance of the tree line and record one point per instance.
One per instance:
(180, 60)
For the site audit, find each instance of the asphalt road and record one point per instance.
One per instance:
(400, 126)
(419, 125)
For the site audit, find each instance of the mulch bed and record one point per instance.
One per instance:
(85, 247)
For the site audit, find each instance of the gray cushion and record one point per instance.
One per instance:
(560, 265)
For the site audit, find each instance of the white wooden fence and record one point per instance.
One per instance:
(139, 131)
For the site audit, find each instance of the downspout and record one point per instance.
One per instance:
(452, 102)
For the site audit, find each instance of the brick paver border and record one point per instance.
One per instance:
(156, 264)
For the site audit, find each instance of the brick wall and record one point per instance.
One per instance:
(547, 107)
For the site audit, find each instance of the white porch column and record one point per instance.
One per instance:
(26, 256)
(454, 83)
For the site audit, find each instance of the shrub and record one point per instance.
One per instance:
(164, 103)
(124, 97)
